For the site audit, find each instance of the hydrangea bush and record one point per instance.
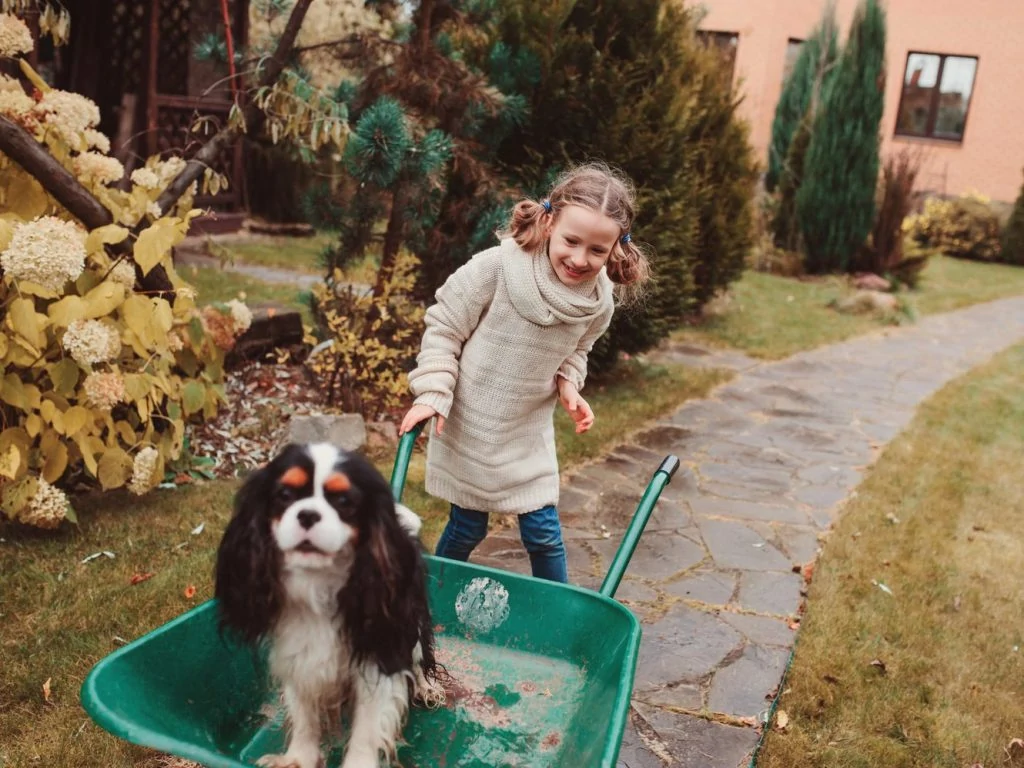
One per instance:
(99, 379)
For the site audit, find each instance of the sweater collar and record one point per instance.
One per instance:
(540, 297)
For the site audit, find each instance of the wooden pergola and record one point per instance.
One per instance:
(136, 60)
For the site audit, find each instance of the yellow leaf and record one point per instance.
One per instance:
(64, 376)
(52, 414)
(34, 77)
(10, 461)
(17, 495)
(64, 312)
(88, 454)
(154, 243)
(781, 720)
(137, 386)
(75, 420)
(13, 391)
(193, 397)
(34, 424)
(23, 319)
(26, 198)
(114, 468)
(106, 235)
(3, 344)
(56, 462)
(6, 233)
(103, 299)
(126, 433)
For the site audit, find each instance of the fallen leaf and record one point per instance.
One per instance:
(190, 592)
(892, 519)
(1014, 749)
(879, 665)
(808, 571)
(794, 625)
(751, 721)
(831, 679)
(138, 578)
(882, 587)
(781, 720)
(198, 529)
(46, 690)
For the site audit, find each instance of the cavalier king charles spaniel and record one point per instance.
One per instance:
(322, 565)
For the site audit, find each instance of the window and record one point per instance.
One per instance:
(936, 96)
(793, 47)
(725, 43)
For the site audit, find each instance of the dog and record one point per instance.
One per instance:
(320, 563)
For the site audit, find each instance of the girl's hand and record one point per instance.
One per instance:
(576, 406)
(417, 414)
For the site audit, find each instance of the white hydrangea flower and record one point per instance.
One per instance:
(70, 114)
(92, 341)
(47, 251)
(97, 140)
(124, 273)
(104, 390)
(8, 83)
(102, 168)
(144, 471)
(145, 178)
(15, 39)
(170, 168)
(153, 209)
(47, 508)
(15, 103)
(241, 315)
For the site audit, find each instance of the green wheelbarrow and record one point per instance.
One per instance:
(541, 673)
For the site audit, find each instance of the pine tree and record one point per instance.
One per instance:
(815, 60)
(1013, 233)
(836, 201)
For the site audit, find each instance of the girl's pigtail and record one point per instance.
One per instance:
(528, 224)
(629, 264)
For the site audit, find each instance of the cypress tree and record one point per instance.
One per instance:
(816, 57)
(835, 204)
(1013, 234)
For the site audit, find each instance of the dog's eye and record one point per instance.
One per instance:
(286, 493)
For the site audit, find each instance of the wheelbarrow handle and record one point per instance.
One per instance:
(402, 458)
(630, 540)
(662, 477)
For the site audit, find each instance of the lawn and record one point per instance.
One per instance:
(773, 317)
(58, 615)
(221, 285)
(929, 675)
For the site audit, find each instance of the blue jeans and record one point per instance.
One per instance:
(540, 531)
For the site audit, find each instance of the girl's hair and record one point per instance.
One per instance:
(600, 188)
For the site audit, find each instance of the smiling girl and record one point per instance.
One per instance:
(510, 333)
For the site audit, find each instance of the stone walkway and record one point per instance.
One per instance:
(767, 462)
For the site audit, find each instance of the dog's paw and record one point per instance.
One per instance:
(429, 693)
(361, 759)
(290, 760)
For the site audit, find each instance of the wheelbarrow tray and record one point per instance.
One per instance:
(541, 675)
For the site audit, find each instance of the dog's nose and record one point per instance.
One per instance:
(308, 519)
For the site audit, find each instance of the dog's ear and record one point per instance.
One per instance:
(247, 578)
(384, 601)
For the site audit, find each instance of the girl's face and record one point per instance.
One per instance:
(579, 243)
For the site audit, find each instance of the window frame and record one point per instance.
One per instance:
(705, 36)
(933, 104)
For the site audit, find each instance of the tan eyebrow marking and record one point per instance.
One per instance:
(296, 477)
(337, 483)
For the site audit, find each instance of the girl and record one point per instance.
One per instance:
(511, 329)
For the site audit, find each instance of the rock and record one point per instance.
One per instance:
(345, 430)
(869, 281)
(863, 302)
(381, 434)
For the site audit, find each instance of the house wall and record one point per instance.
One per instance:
(990, 156)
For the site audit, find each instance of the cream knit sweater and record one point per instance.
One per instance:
(502, 329)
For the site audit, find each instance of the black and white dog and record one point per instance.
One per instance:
(320, 563)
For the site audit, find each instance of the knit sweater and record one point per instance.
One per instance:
(503, 327)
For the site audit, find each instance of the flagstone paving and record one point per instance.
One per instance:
(767, 462)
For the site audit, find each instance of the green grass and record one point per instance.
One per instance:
(214, 284)
(301, 254)
(950, 635)
(773, 317)
(59, 616)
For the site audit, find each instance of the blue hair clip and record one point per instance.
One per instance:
(547, 206)
(625, 239)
